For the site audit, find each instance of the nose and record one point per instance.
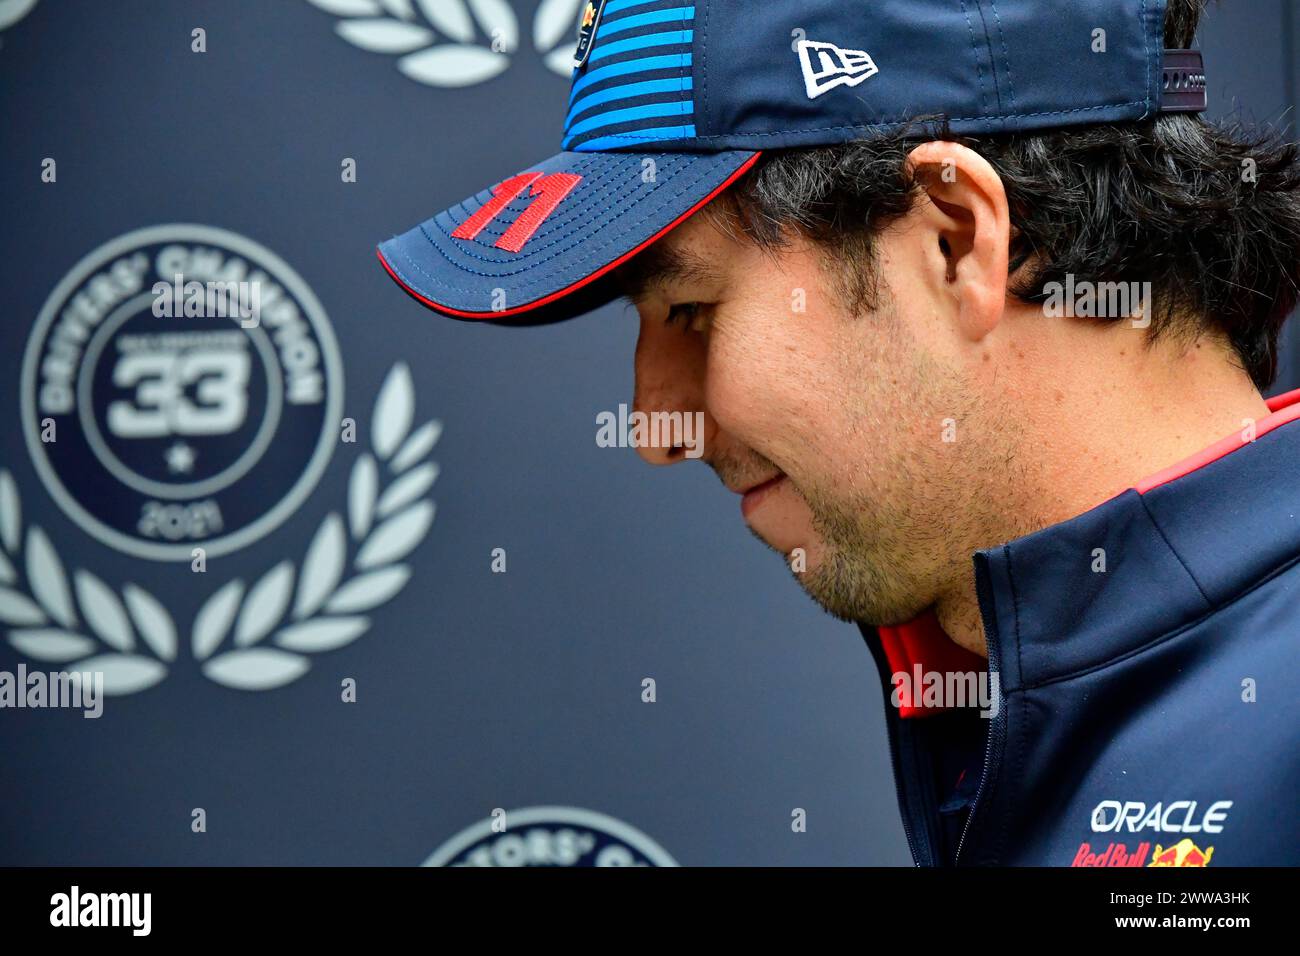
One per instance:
(670, 368)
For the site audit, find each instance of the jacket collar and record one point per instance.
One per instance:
(1149, 561)
(1139, 566)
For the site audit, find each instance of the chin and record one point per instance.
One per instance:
(835, 601)
(857, 589)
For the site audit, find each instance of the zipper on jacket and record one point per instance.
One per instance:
(898, 787)
(920, 844)
(918, 807)
(997, 726)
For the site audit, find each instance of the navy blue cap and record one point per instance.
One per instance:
(672, 101)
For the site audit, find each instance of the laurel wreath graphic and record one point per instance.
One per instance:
(266, 641)
(11, 11)
(412, 29)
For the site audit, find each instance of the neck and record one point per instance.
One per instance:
(1087, 430)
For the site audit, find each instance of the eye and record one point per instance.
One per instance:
(691, 314)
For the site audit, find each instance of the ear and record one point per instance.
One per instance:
(965, 221)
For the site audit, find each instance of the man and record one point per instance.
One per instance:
(953, 284)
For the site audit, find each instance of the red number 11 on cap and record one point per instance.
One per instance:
(546, 193)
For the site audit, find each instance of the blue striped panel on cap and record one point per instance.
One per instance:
(635, 89)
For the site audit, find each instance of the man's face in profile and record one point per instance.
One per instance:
(833, 423)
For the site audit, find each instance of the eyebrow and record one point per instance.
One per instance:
(658, 267)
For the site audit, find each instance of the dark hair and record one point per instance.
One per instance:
(1166, 200)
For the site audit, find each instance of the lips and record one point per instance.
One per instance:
(755, 495)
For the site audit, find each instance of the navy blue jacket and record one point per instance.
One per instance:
(1150, 710)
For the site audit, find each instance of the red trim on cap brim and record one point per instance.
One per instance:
(744, 167)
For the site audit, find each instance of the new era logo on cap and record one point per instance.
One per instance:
(826, 66)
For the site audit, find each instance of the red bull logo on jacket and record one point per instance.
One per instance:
(1115, 854)
(1182, 853)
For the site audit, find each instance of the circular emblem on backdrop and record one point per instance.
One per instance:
(181, 388)
(551, 836)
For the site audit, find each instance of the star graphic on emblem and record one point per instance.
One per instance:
(180, 458)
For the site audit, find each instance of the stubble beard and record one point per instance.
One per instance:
(854, 580)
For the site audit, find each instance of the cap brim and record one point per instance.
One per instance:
(536, 260)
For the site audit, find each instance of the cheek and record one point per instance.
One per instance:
(770, 385)
(750, 391)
